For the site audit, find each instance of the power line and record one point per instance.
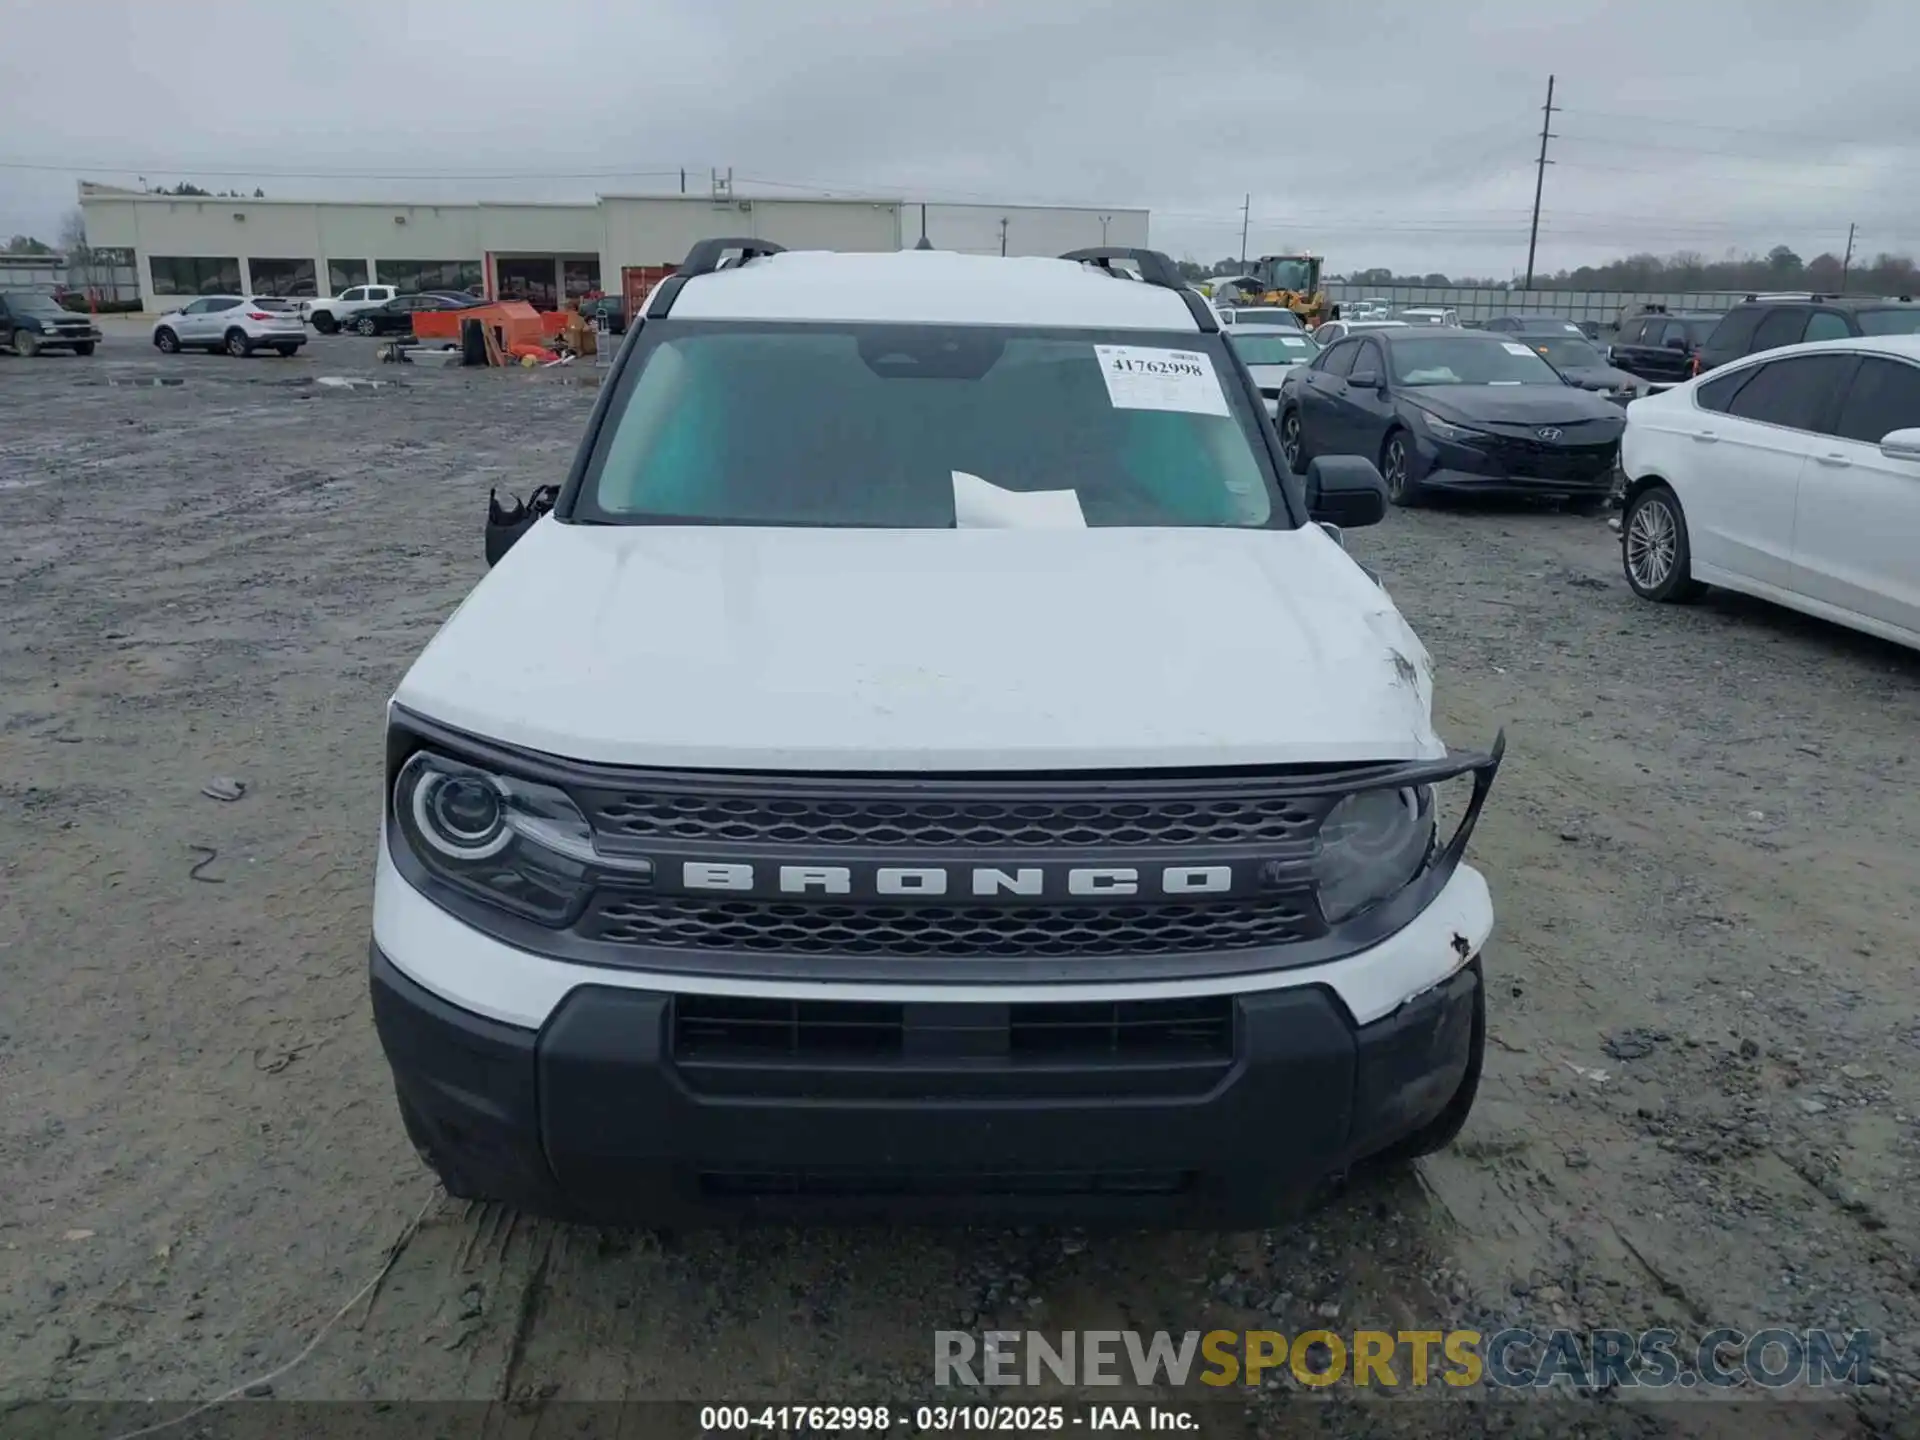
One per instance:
(1667, 123)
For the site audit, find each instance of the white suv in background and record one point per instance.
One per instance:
(237, 324)
(1793, 475)
(328, 313)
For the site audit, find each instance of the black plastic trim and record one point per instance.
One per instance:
(1156, 268)
(408, 732)
(704, 258)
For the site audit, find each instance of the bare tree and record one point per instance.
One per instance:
(73, 241)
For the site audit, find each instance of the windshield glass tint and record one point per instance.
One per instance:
(1565, 352)
(1290, 275)
(1460, 360)
(1266, 315)
(31, 303)
(1274, 349)
(1903, 321)
(866, 425)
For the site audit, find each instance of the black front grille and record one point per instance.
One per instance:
(725, 1027)
(906, 931)
(819, 819)
(1548, 461)
(742, 1184)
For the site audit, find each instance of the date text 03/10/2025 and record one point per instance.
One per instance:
(942, 1419)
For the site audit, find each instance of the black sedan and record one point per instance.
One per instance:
(1452, 410)
(1583, 365)
(396, 316)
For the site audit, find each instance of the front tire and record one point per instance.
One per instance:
(1396, 468)
(324, 322)
(24, 345)
(238, 345)
(1589, 505)
(366, 326)
(166, 342)
(1293, 443)
(85, 348)
(1654, 550)
(287, 352)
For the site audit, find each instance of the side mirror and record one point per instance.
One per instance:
(507, 523)
(1345, 491)
(1901, 445)
(1367, 380)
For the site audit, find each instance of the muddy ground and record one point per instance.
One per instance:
(1703, 1099)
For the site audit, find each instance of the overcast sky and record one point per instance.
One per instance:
(1379, 132)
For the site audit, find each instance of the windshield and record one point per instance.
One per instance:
(749, 423)
(1268, 315)
(1271, 349)
(1902, 321)
(1290, 275)
(32, 302)
(1468, 360)
(1565, 351)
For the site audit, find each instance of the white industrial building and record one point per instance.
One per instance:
(195, 245)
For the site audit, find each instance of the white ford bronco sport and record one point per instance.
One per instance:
(929, 760)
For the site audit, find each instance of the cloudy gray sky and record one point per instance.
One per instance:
(1380, 132)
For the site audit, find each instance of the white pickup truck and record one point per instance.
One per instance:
(328, 313)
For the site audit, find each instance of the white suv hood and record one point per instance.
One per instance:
(924, 650)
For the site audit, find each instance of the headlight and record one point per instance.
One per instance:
(1372, 845)
(50, 327)
(512, 842)
(1446, 430)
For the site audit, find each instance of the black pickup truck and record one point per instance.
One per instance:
(1661, 347)
(31, 322)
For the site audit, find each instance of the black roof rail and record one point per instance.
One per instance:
(1156, 268)
(704, 258)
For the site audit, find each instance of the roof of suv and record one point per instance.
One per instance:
(1826, 302)
(931, 287)
(1905, 347)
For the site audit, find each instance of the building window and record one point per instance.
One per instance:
(195, 274)
(281, 277)
(583, 278)
(416, 275)
(530, 280)
(345, 274)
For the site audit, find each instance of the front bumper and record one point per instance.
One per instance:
(617, 1111)
(1446, 465)
(625, 1097)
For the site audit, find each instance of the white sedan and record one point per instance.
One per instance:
(1792, 475)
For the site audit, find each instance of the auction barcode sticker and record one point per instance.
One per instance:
(1142, 378)
(1513, 349)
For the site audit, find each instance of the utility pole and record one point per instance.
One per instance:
(1246, 213)
(1540, 179)
(925, 244)
(1846, 264)
(1003, 235)
(1103, 228)
(683, 179)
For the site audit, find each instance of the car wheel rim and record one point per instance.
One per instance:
(1653, 543)
(23, 344)
(1396, 468)
(236, 345)
(1290, 442)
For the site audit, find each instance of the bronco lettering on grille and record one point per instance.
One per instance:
(981, 882)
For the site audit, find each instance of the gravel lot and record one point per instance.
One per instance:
(1703, 1096)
